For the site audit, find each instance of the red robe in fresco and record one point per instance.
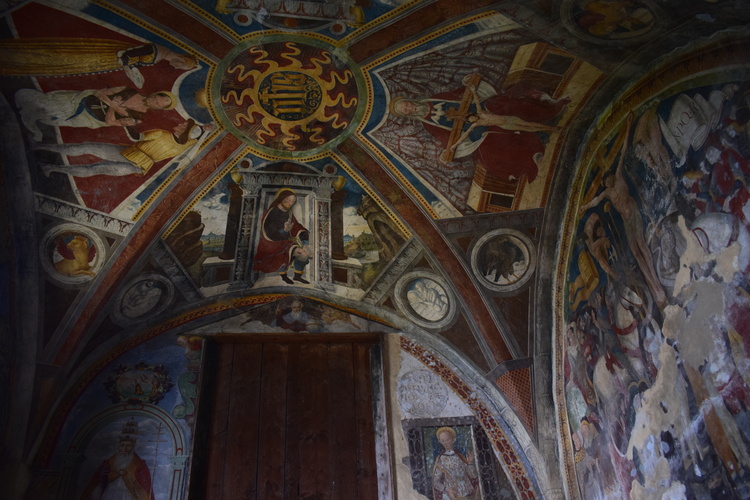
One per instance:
(503, 153)
(276, 246)
(136, 479)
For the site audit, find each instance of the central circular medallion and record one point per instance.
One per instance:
(288, 98)
(289, 95)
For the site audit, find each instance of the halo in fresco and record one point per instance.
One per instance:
(426, 299)
(604, 21)
(145, 296)
(288, 98)
(503, 260)
(72, 254)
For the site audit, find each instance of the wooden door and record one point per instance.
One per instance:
(290, 418)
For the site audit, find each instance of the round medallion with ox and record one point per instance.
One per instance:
(503, 260)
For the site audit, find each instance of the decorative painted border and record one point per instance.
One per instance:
(70, 212)
(384, 19)
(368, 189)
(433, 35)
(140, 21)
(203, 192)
(383, 160)
(192, 7)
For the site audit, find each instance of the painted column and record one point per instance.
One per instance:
(323, 192)
(337, 220)
(243, 274)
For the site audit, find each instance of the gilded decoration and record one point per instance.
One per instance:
(290, 98)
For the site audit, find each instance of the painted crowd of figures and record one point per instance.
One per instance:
(656, 370)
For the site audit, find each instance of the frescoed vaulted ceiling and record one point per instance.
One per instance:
(435, 154)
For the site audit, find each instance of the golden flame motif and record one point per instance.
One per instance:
(288, 96)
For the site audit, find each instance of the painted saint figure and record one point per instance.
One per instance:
(499, 128)
(296, 320)
(284, 241)
(124, 475)
(454, 476)
(150, 147)
(110, 107)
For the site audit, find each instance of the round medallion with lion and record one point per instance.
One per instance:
(288, 98)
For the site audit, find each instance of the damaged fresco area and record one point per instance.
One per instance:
(656, 348)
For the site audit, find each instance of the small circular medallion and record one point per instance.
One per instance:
(422, 393)
(425, 299)
(144, 297)
(503, 260)
(72, 254)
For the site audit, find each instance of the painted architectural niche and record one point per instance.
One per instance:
(234, 236)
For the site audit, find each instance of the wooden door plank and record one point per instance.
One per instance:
(272, 423)
(217, 434)
(292, 444)
(313, 413)
(341, 425)
(242, 447)
(367, 477)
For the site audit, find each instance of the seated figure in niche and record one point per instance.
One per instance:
(284, 242)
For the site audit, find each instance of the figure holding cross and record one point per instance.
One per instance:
(499, 129)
